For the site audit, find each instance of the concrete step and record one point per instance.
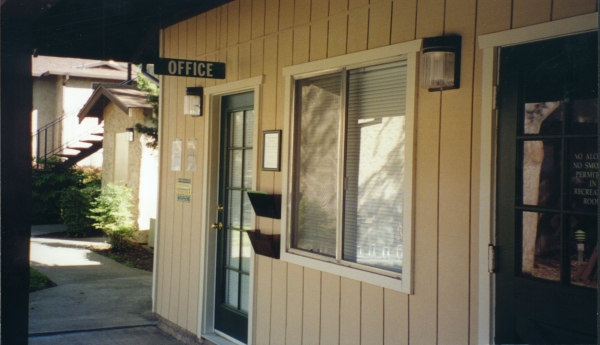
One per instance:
(80, 146)
(92, 139)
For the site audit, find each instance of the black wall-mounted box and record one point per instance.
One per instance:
(265, 205)
(267, 245)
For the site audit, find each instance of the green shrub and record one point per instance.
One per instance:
(75, 204)
(90, 174)
(150, 128)
(48, 185)
(111, 213)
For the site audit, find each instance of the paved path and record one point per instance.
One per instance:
(97, 300)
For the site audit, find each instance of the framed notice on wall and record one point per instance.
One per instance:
(271, 150)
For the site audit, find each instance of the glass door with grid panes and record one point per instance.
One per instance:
(234, 216)
(547, 192)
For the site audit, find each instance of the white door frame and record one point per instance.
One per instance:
(212, 111)
(487, 169)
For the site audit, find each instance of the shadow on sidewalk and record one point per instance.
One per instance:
(97, 299)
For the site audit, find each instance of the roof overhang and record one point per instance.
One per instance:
(124, 97)
(121, 30)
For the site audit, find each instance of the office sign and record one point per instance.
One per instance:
(190, 68)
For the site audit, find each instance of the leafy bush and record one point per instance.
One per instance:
(150, 129)
(76, 204)
(111, 213)
(45, 192)
(90, 174)
(47, 187)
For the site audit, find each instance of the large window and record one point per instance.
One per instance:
(350, 177)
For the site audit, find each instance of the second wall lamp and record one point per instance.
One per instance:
(192, 102)
(129, 132)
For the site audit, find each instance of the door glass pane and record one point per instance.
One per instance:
(247, 213)
(541, 173)
(544, 118)
(583, 251)
(582, 190)
(585, 116)
(317, 113)
(249, 128)
(231, 296)
(233, 248)
(541, 245)
(246, 251)
(244, 296)
(248, 169)
(235, 204)
(235, 168)
(237, 129)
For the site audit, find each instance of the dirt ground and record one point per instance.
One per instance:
(136, 256)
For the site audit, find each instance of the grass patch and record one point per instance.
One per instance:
(38, 281)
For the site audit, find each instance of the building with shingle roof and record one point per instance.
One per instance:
(127, 160)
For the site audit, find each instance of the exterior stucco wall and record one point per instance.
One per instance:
(55, 96)
(47, 99)
(295, 304)
(142, 162)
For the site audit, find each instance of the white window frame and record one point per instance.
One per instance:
(387, 279)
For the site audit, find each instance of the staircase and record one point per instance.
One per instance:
(64, 142)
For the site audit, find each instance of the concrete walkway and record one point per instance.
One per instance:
(97, 300)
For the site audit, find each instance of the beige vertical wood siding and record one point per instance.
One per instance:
(297, 305)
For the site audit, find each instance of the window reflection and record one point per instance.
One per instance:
(543, 118)
(585, 116)
(541, 245)
(541, 173)
(583, 250)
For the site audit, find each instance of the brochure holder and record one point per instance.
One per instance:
(267, 245)
(265, 205)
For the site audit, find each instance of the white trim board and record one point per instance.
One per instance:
(487, 187)
(557, 28)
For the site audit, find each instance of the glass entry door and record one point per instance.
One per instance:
(547, 206)
(234, 216)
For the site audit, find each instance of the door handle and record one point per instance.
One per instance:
(217, 226)
(220, 208)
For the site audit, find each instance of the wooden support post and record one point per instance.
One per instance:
(15, 136)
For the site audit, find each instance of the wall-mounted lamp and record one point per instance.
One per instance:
(192, 102)
(440, 63)
(129, 133)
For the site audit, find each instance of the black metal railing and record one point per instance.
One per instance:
(58, 136)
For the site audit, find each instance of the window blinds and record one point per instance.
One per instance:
(375, 166)
(373, 163)
(318, 109)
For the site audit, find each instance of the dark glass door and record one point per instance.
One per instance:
(235, 216)
(547, 193)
